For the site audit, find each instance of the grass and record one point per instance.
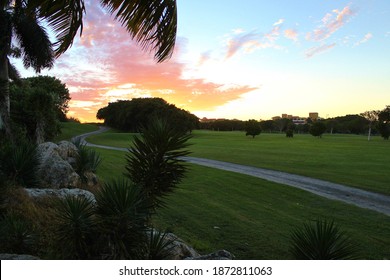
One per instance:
(253, 218)
(344, 159)
(71, 129)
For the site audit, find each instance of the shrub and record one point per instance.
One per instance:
(322, 240)
(75, 227)
(87, 160)
(159, 246)
(19, 164)
(154, 161)
(123, 212)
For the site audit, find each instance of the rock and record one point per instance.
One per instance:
(67, 150)
(219, 255)
(60, 193)
(17, 257)
(179, 249)
(54, 171)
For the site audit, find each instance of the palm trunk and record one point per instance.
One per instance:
(5, 121)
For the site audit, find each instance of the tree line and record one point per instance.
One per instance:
(135, 114)
(370, 122)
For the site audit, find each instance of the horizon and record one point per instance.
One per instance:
(246, 60)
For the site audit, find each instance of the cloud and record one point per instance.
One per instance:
(251, 41)
(331, 22)
(204, 57)
(105, 65)
(366, 37)
(317, 50)
(291, 34)
(279, 22)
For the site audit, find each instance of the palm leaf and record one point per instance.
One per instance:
(34, 40)
(152, 23)
(64, 16)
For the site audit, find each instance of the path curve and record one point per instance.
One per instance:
(357, 197)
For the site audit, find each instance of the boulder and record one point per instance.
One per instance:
(60, 193)
(218, 255)
(179, 249)
(68, 151)
(17, 257)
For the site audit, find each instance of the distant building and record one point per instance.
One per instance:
(296, 119)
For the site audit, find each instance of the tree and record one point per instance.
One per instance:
(317, 129)
(151, 23)
(384, 123)
(371, 117)
(252, 128)
(18, 21)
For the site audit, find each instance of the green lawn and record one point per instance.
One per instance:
(344, 159)
(71, 129)
(252, 218)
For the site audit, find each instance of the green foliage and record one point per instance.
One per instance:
(123, 211)
(154, 160)
(159, 246)
(252, 128)
(132, 115)
(75, 228)
(384, 123)
(317, 129)
(87, 160)
(322, 241)
(16, 235)
(19, 164)
(290, 133)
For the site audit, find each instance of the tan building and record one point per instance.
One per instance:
(313, 116)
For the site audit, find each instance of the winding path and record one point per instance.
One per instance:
(357, 197)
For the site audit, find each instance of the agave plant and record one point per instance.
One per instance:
(322, 240)
(123, 213)
(75, 228)
(155, 159)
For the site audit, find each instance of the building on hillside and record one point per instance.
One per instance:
(297, 119)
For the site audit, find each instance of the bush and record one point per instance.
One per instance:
(87, 160)
(322, 240)
(154, 161)
(19, 164)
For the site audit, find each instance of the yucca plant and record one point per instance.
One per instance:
(75, 232)
(155, 162)
(123, 212)
(87, 160)
(159, 246)
(322, 240)
(20, 164)
(16, 235)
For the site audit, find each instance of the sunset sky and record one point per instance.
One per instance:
(240, 59)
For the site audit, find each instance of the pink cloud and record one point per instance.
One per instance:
(331, 22)
(291, 34)
(365, 39)
(317, 50)
(105, 65)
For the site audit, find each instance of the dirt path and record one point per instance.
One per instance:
(357, 197)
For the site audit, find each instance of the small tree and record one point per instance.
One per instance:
(317, 129)
(384, 123)
(252, 128)
(154, 161)
(370, 116)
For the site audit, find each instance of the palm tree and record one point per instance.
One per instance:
(18, 22)
(152, 23)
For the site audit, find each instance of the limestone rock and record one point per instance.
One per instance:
(60, 193)
(54, 171)
(17, 257)
(219, 255)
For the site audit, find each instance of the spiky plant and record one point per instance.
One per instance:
(123, 213)
(155, 162)
(160, 247)
(75, 228)
(20, 164)
(87, 160)
(322, 240)
(16, 235)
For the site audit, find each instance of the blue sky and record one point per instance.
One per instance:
(241, 59)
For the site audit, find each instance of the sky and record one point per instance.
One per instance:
(247, 59)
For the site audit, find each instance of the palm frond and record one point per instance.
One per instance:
(64, 16)
(13, 73)
(152, 23)
(34, 41)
